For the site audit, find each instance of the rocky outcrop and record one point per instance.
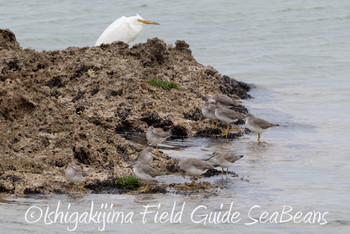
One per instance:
(75, 103)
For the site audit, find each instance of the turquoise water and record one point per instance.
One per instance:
(296, 53)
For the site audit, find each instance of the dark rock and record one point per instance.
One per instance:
(97, 186)
(58, 164)
(3, 189)
(247, 131)
(79, 95)
(153, 119)
(82, 70)
(194, 114)
(58, 191)
(118, 92)
(13, 65)
(122, 150)
(240, 109)
(55, 94)
(211, 172)
(108, 186)
(178, 132)
(94, 91)
(208, 132)
(12, 168)
(210, 72)
(123, 113)
(216, 133)
(173, 169)
(182, 46)
(82, 155)
(123, 126)
(79, 109)
(55, 82)
(231, 86)
(30, 190)
(240, 121)
(156, 189)
(154, 52)
(8, 40)
(215, 172)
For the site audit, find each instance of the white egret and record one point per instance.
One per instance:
(125, 29)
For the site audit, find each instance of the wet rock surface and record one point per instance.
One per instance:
(76, 103)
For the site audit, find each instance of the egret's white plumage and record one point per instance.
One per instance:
(125, 29)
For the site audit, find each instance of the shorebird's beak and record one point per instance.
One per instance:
(147, 22)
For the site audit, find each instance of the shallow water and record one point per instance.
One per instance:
(296, 53)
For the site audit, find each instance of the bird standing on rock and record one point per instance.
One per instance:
(227, 115)
(258, 125)
(224, 160)
(208, 110)
(194, 167)
(146, 172)
(125, 29)
(145, 156)
(226, 101)
(156, 136)
(75, 173)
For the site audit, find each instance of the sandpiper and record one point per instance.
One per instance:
(75, 173)
(226, 101)
(257, 125)
(224, 160)
(156, 136)
(146, 172)
(208, 110)
(145, 156)
(194, 167)
(227, 115)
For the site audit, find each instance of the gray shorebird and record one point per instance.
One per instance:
(146, 172)
(227, 115)
(257, 125)
(145, 156)
(156, 136)
(75, 173)
(208, 110)
(226, 101)
(194, 167)
(224, 160)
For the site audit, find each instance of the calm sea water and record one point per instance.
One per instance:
(296, 53)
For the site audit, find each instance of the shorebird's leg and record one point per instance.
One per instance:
(222, 171)
(198, 179)
(73, 188)
(193, 179)
(212, 123)
(157, 151)
(226, 172)
(226, 133)
(259, 137)
(216, 125)
(80, 189)
(145, 189)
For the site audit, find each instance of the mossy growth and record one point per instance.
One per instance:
(163, 84)
(128, 182)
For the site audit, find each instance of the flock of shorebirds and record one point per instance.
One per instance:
(217, 107)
